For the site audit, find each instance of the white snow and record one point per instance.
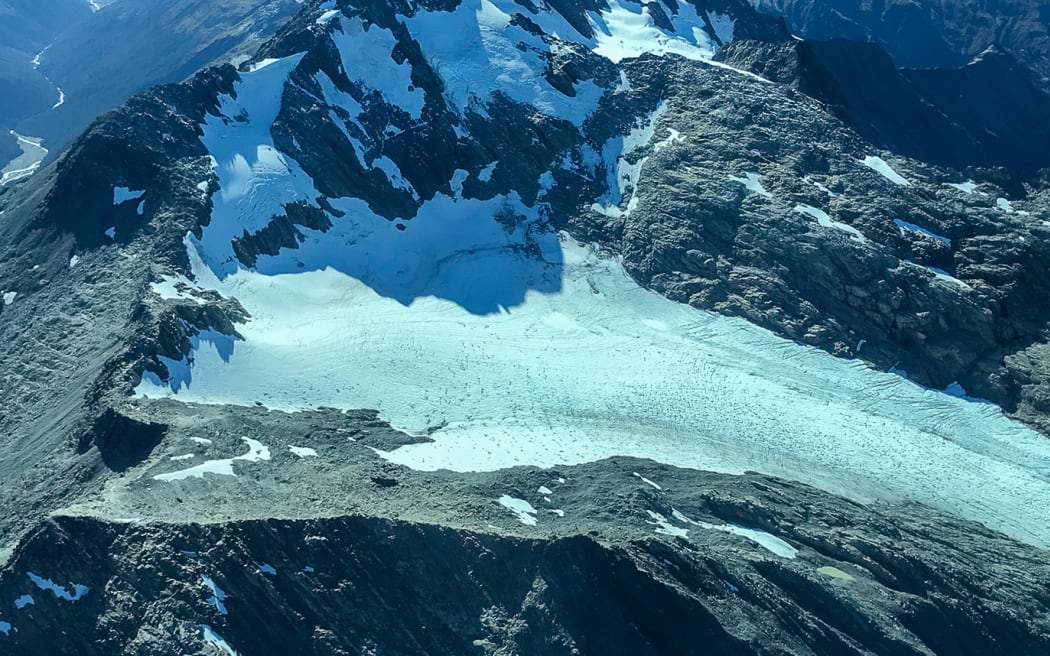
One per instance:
(59, 591)
(825, 221)
(627, 30)
(665, 527)
(173, 288)
(551, 355)
(557, 511)
(218, 595)
(510, 389)
(647, 481)
(213, 638)
(623, 85)
(623, 165)
(61, 98)
(486, 173)
(201, 440)
(223, 467)
(906, 227)
(521, 508)
(23, 601)
(545, 490)
(880, 166)
(477, 50)
(9, 297)
(185, 456)
(123, 194)
(261, 64)
(673, 137)
(1005, 205)
(941, 275)
(750, 180)
(303, 451)
(73, 261)
(968, 187)
(327, 16)
(821, 186)
(723, 26)
(763, 539)
(367, 54)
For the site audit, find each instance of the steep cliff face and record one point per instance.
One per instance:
(930, 33)
(363, 585)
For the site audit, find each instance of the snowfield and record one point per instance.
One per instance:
(511, 345)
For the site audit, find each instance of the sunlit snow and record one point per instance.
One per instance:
(880, 166)
(751, 182)
(521, 508)
(763, 539)
(514, 346)
(223, 467)
(825, 221)
(906, 227)
(213, 638)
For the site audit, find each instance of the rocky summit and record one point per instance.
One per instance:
(512, 327)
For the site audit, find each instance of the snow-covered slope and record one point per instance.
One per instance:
(461, 313)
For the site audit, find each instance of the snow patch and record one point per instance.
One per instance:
(223, 467)
(59, 591)
(906, 227)
(545, 490)
(623, 165)
(751, 182)
(764, 539)
(218, 595)
(880, 166)
(9, 297)
(303, 451)
(664, 527)
(521, 508)
(122, 195)
(968, 187)
(216, 640)
(825, 221)
(327, 16)
(647, 481)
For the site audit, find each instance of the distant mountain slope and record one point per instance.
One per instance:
(929, 33)
(62, 63)
(129, 46)
(986, 113)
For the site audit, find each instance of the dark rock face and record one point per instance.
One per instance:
(986, 113)
(928, 34)
(122, 441)
(347, 584)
